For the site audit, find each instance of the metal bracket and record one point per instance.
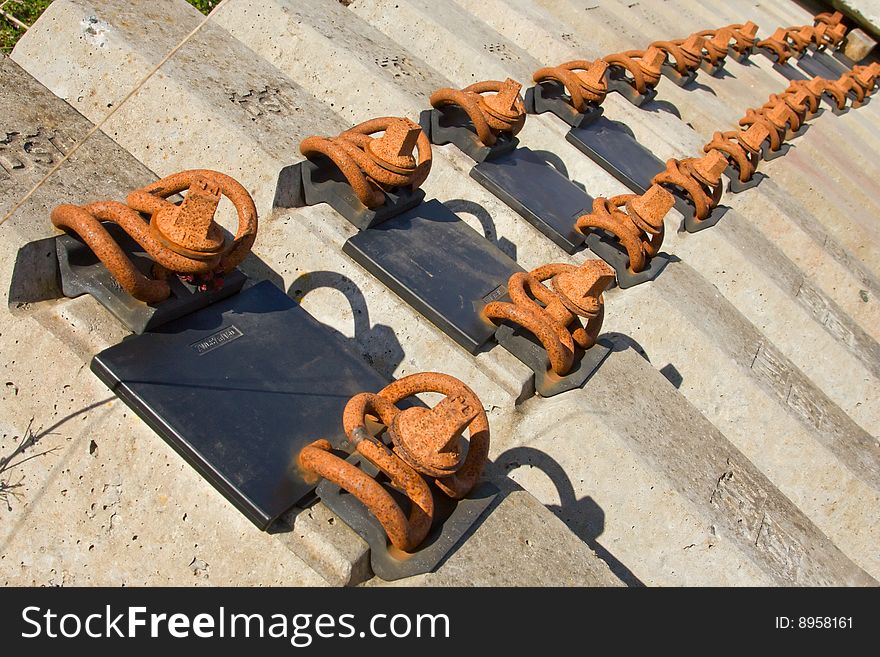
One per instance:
(438, 265)
(531, 352)
(613, 146)
(679, 79)
(451, 125)
(819, 67)
(550, 97)
(83, 273)
(767, 155)
(238, 389)
(610, 250)
(538, 193)
(617, 82)
(830, 63)
(452, 520)
(734, 184)
(714, 70)
(686, 208)
(742, 58)
(311, 182)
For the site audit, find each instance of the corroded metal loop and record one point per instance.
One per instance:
(425, 442)
(808, 94)
(501, 112)
(837, 89)
(639, 228)
(800, 36)
(699, 178)
(830, 28)
(867, 76)
(745, 37)
(181, 239)
(828, 18)
(375, 164)
(716, 44)
(774, 118)
(552, 313)
(777, 43)
(684, 55)
(584, 81)
(792, 106)
(741, 147)
(643, 66)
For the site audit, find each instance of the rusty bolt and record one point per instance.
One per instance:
(828, 18)
(699, 178)
(501, 112)
(373, 165)
(643, 67)
(181, 239)
(584, 81)
(639, 229)
(686, 53)
(426, 441)
(777, 43)
(552, 313)
(709, 168)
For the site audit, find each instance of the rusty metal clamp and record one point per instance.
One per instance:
(373, 164)
(425, 443)
(639, 228)
(774, 119)
(642, 67)
(552, 313)
(777, 43)
(794, 108)
(685, 54)
(182, 239)
(745, 37)
(491, 115)
(799, 37)
(699, 178)
(830, 28)
(716, 45)
(741, 147)
(810, 94)
(867, 76)
(584, 81)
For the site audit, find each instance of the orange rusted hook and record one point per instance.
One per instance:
(551, 313)
(700, 178)
(181, 239)
(373, 164)
(584, 81)
(774, 118)
(491, 115)
(777, 43)
(741, 147)
(745, 37)
(716, 44)
(642, 67)
(685, 54)
(639, 229)
(425, 443)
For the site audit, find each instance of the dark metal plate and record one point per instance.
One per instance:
(612, 146)
(451, 125)
(676, 77)
(237, 389)
(452, 520)
(843, 59)
(550, 97)
(320, 181)
(539, 193)
(819, 68)
(713, 70)
(767, 154)
(734, 185)
(742, 58)
(691, 225)
(83, 273)
(617, 82)
(528, 349)
(831, 64)
(609, 249)
(437, 264)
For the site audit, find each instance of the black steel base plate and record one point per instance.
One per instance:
(831, 64)
(437, 264)
(539, 193)
(452, 520)
(83, 273)
(818, 68)
(613, 146)
(311, 182)
(609, 249)
(550, 97)
(618, 82)
(736, 186)
(786, 70)
(741, 57)
(528, 349)
(712, 69)
(237, 389)
(690, 224)
(679, 79)
(767, 155)
(451, 125)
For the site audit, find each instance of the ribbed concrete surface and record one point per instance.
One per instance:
(754, 461)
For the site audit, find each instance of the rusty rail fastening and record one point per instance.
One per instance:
(552, 313)
(684, 55)
(699, 178)
(774, 118)
(641, 67)
(501, 112)
(830, 28)
(716, 44)
(584, 81)
(741, 147)
(777, 43)
(183, 239)
(425, 443)
(376, 164)
(638, 227)
(745, 37)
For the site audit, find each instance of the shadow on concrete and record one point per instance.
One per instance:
(662, 106)
(583, 516)
(377, 344)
